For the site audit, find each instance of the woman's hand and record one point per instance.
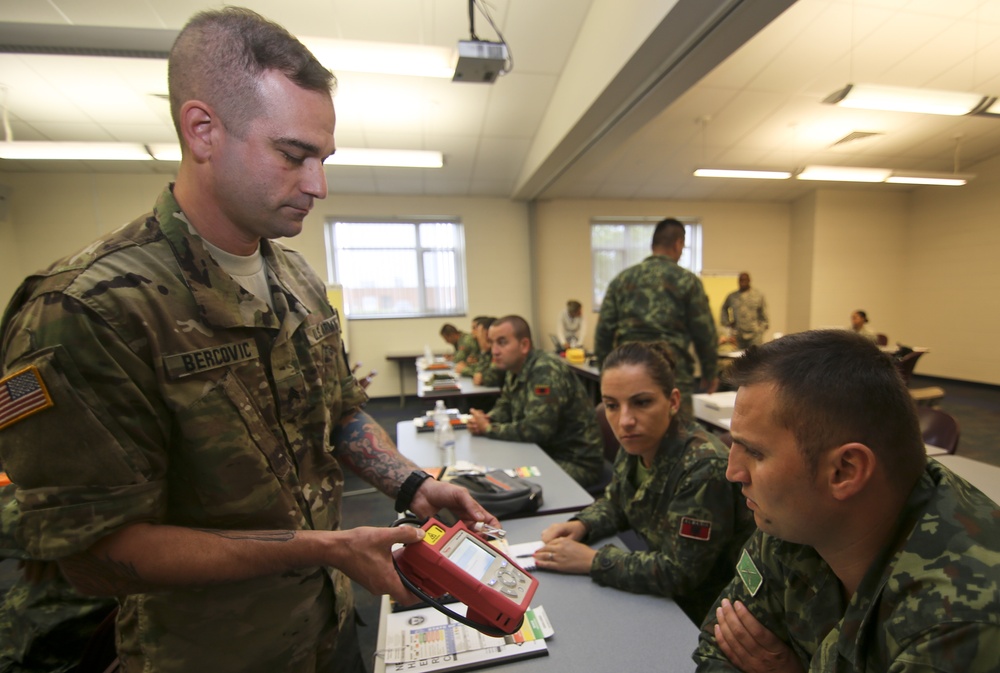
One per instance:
(565, 555)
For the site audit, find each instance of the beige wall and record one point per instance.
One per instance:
(751, 237)
(53, 215)
(922, 263)
(951, 283)
(858, 259)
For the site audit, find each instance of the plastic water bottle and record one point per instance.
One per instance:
(444, 434)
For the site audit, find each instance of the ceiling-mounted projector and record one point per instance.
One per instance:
(480, 61)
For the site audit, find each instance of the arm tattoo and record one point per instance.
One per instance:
(363, 445)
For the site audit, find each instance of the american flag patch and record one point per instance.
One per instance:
(696, 529)
(21, 394)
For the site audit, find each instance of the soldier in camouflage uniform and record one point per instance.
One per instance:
(868, 558)
(464, 343)
(182, 421)
(542, 401)
(669, 486)
(745, 314)
(657, 300)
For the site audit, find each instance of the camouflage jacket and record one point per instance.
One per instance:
(746, 314)
(546, 404)
(929, 602)
(179, 398)
(481, 362)
(693, 521)
(465, 346)
(657, 300)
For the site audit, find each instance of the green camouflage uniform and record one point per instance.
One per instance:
(693, 521)
(745, 313)
(179, 398)
(929, 602)
(44, 626)
(464, 347)
(546, 404)
(657, 300)
(482, 363)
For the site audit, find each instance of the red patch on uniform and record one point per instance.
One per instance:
(696, 529)
(541, 391)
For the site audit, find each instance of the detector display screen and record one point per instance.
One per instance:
(472, 558)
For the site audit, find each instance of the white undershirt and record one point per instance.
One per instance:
(249, 271)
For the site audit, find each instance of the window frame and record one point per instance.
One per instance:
(459, 251)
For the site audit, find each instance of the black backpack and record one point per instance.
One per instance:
(503, 496)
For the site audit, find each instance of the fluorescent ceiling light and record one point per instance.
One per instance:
(733, 173)
(903, 99)
(75, 151)
(81, 151)
(844, 174)
(383, 57)
(348, 156)
(924, 178)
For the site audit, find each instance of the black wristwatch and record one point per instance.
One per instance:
(409, 489)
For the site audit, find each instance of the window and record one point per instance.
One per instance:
(398, 269)
(621, 242)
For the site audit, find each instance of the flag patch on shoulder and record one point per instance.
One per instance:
(21, 394)
(541, 391)
(696, 529)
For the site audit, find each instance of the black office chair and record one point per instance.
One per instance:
(906, 364)
(938, 428)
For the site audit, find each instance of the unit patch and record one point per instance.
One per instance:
(748, 572)
(22, 394)
(542, 391)
(696, 529)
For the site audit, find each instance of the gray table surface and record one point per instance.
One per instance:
(560, 493)
(597, 628)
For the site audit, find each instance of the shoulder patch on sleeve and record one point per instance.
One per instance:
(22, 394)
(748, 573)
(542, 391)
(696, 529)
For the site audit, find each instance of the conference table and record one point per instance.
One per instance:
(560, 492)
(464, 388)
(596, 628)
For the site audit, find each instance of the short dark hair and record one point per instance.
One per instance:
(835, 387)
(220, 56)
(658, 361)
(484, 321)
(517, 323)
(448, 329)
(668, 232)
(864, 316)
(573, 305)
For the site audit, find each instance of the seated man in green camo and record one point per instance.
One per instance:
(868, 557)
(542, 401)
(463, 342)
(479, 367)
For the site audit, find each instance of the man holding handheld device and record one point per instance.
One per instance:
(191, 404)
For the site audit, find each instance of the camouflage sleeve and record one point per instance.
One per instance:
(94, 461)
(764, 599)
(9, 514)
(491, 375)
(605, 516)
(970, 648)
(725, 318)
(607, 321)
(762, 315)
(501, 412)
(545, 392)
(682, 561)
(465, 347)
(701, 327)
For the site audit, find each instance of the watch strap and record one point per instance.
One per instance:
(409, 489)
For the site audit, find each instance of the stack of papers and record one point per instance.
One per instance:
(427, 640)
